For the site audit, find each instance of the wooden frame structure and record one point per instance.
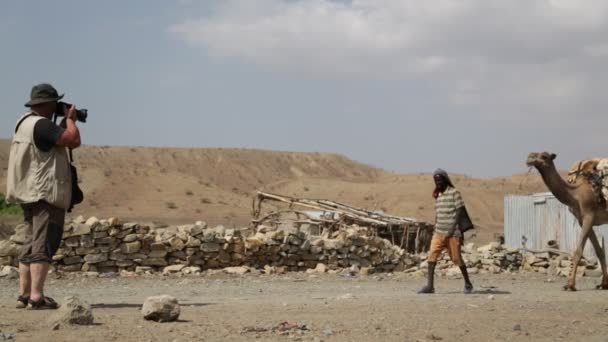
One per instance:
(412, 235)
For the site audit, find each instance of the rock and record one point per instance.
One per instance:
(517, 327)
(191, 270)
(77, 229)
(113, 222)
(236, 270)
(22, 232)
(72, 242)
(154, 262)
(72, 311)
(157, 254)
(489, 247)
(321, 268)
(365, 271)
(70, 268)
(95, 258)
(210, 247)
(143, 269)
(8, 248)
(92, 222)
(86, 241)
(161, 309)
(269, 269)
(473, 270)
(7, 336)
(131, 247)
(469, 247)
(192, 230)
(73, 260)
(277, 235)
(86, 267)
(130, 238)
(9, 272)
(593, 273)
(332, 244)
(193, 242)
(177, 244)
(173, 269)
(253, 244)
(454, 272)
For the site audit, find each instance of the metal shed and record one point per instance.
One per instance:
(539, 218)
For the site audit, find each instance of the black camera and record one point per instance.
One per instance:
(62, 107)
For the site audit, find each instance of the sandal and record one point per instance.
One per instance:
(44, 303)
(22, 302)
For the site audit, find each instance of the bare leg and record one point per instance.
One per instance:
(587, 227)
(25, 280)
(39, 271)
(599, 251)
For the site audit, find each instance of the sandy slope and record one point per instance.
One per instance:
(216, 185)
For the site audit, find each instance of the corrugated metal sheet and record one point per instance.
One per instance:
(540, 218)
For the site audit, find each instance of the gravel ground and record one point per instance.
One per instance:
(320, 307)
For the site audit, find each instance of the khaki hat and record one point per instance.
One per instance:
(43, 93)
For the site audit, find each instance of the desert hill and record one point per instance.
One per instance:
(176, 185)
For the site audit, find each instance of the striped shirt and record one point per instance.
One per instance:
(446, 206)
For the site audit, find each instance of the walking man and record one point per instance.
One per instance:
(451, 220)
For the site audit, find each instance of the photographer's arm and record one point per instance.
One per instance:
(71, 135)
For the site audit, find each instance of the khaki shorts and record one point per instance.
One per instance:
(441, 242)
(47, 230)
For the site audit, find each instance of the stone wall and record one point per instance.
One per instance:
(111, 246)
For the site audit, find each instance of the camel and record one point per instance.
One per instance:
(582, 202)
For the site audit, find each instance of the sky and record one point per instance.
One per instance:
(471, 86)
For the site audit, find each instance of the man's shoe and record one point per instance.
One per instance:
(22, 302)
(468, 288)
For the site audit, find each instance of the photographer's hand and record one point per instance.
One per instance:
(71, 114)
(71, 135)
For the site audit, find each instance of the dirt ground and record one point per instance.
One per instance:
(323, 307)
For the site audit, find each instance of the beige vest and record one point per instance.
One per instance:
(34, 175)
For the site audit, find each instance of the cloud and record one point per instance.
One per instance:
(511, 55)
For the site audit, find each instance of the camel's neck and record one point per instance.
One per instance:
(556, 184)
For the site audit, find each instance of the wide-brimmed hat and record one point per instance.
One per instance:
(43, 93)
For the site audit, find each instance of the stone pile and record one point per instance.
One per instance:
(496, 258)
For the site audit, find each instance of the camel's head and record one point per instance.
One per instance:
(540, 159)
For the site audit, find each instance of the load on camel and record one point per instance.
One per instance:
(596, 172)
(583, 196)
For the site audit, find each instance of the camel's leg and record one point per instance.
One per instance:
(587, 227)
(599, 251)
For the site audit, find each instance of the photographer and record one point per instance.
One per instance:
(39, 178)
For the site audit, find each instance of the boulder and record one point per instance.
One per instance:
(72, 311)
(161, 309)
(9, 272)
